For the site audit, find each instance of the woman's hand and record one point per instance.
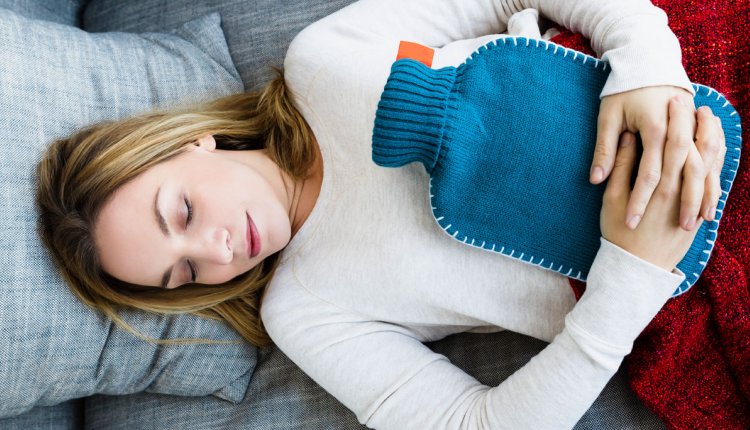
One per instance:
(665, 117)
(659, 239)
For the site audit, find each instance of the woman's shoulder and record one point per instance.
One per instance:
(285, 299)
(311, 50)
(297, 319)
(322, 54)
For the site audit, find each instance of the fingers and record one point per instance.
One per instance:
(683, 166)
(679, 157)
(709, 140)
(713, 187)
(701, 178)
(707, 136)
(694, 178)
(653, 136)
(608, 130)
(618, 186)
(678, 144)
(665, 147)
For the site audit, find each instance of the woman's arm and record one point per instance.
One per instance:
(390, 380)
(628, 34)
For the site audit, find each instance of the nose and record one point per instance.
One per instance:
(213, 245)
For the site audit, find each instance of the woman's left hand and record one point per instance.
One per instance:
(661, 114)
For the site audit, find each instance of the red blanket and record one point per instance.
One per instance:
(691, 365)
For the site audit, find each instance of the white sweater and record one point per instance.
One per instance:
(370, 275)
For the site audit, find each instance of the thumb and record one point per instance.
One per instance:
(619, 181)
(608, 131)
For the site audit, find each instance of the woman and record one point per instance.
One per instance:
(158, 213)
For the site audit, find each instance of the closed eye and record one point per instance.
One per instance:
(188, 218)
(193, 272)
(189, 212)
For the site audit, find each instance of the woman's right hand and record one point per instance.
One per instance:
(658, 239)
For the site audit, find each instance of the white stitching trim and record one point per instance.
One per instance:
(685, 285)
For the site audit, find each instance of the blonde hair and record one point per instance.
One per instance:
(77, 176)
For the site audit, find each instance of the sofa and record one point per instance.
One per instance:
(69, 63)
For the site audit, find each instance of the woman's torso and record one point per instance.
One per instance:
(371, 245)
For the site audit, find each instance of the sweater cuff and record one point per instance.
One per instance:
(623, 294)
(648, 55)
(411, 115)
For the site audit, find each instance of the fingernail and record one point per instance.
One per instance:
(710, 213)
(687, 223)
(633, 221)
(597, 174)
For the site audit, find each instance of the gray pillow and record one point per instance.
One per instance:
(60, 11)
(258, 31)
(55, 79)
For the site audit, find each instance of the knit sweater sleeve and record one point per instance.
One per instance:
(384, 374)
(633, 36)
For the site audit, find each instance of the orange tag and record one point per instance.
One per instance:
(415, 51)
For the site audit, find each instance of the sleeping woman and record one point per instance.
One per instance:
(266, 210)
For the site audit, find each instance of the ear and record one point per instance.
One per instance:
(206, 142)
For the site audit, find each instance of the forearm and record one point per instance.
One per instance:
(633, 36)
(623, 294)
(558, 385)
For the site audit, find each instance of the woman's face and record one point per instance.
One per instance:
(203, 216)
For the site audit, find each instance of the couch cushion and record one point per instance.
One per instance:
(61, 11)
(64, 416)
(282, 396)
(55, 79)
(258, 31)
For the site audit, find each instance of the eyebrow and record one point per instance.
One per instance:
(164, 229)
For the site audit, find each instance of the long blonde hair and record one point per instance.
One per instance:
(77, 176)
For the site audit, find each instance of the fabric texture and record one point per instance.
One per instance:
(257, 31)
(62, 416)
(691, 365)
(55, 79)
(60, 11)
(508, 168)
(281, 396)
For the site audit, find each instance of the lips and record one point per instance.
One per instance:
(253, 238)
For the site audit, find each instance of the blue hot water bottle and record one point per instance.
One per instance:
(508, 138)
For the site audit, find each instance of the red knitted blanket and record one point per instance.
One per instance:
(691, 365)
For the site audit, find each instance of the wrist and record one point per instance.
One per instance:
(652, 261)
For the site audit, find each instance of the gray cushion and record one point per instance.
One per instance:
(55, 79)
(258, 31)
(64, 416)
(282, 397)
(61, 11)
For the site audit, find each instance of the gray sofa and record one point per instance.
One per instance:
(68, 63)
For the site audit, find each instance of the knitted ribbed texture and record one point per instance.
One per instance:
(508, 138)
(411, 115)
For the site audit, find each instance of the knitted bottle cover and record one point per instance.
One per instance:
(508, 138)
